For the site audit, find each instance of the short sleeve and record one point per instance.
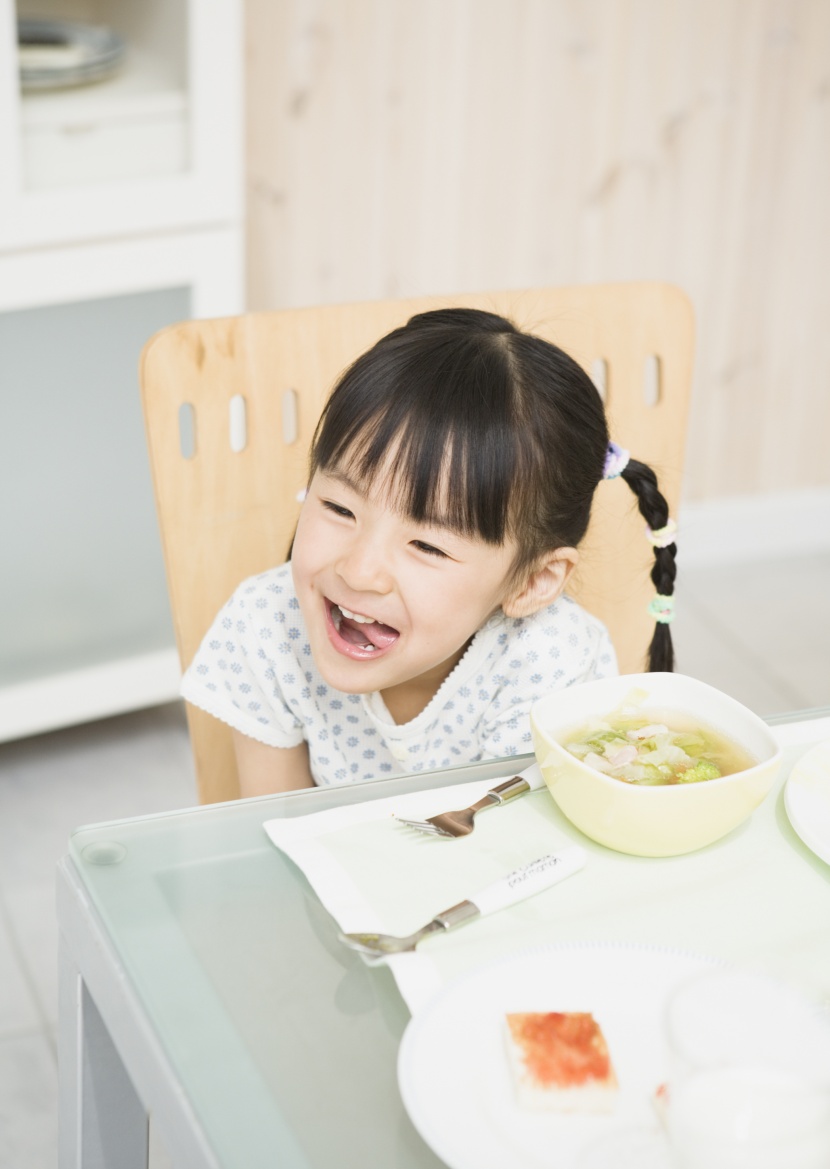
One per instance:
(245, 668)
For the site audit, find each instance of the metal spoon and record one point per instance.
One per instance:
(516, 886)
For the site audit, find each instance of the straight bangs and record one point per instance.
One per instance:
(437, 426)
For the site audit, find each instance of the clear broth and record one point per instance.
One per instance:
(709, 754)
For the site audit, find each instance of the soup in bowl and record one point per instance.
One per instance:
(653, 764)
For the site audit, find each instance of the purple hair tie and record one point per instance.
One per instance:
(616, 461)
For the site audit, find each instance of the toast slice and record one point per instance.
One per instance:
(560, 1062)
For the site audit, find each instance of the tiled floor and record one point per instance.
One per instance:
(49, 785)
(760, 632)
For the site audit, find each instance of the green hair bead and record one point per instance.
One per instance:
(661, 609)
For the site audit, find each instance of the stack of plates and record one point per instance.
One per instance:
(55, 54)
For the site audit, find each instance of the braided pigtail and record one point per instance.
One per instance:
(654, 509)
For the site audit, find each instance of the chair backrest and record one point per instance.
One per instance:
(245, 394)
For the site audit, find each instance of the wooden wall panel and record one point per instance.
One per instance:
(409, 147)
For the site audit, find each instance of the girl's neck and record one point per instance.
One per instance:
(406, 700)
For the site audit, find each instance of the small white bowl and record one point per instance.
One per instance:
(652, 821)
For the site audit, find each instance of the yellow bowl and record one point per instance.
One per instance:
(652, 821)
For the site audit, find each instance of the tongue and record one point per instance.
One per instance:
(359, 633)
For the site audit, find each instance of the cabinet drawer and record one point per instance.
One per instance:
(77, 152)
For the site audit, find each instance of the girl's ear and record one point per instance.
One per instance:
(544, 584)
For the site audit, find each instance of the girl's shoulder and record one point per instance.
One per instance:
(564, 636)
(274, 585)
(567, 611)
(564, 616)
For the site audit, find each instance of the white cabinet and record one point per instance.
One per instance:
(121, 209)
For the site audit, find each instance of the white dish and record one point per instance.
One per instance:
(665, 819)
(807, 799)
(455, 1080)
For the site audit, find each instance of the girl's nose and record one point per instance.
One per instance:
(363, 567)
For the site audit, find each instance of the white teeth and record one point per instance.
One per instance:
(356, 617)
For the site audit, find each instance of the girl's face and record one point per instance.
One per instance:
(389, 602)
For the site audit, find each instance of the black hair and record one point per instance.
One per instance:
(494, 432)
(654, 509)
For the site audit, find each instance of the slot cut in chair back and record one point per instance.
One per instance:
(230, 407)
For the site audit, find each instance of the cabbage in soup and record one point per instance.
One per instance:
(649, 748)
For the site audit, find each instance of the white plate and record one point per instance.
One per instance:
(455, 1080)
(55, 54)
(807, 799)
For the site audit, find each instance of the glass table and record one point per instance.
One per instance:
(203, 985)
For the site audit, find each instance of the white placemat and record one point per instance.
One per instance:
(743, 898)
(374, 874)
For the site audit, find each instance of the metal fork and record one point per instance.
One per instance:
(460, 823)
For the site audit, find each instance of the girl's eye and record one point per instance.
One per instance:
(338, 510)
(430, 549)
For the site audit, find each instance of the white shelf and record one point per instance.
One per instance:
(143, 86)
(126, 186)
(77, 696)
(132, 126)
(156, 147)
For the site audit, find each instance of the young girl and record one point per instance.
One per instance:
(422, 611)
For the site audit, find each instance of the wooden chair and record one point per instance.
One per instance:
(253, 387)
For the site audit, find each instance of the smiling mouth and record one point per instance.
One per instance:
(359, 632)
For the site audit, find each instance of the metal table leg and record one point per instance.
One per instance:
(103, 1124)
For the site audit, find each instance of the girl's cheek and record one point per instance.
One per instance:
(299, 556)
(301, 536)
